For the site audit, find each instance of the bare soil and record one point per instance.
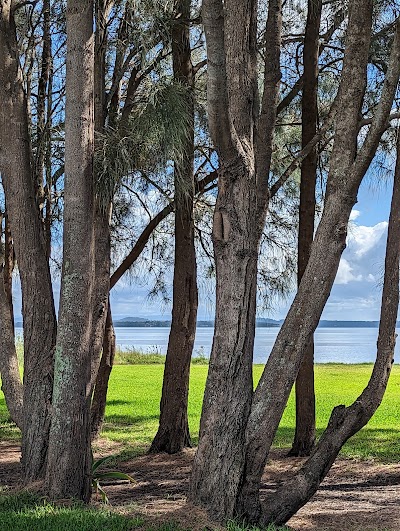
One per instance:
(356, 495)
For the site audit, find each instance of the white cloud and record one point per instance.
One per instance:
(354, 214)
(345, 273)
(362, 239)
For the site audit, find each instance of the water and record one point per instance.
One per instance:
(341, 345)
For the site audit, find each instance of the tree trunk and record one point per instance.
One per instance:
(106, 364)
(305, 395)
(232, 107)
(227, 400)
(37, 296)
(9, 369)
(346, 173)
(173, 432)
(346, 421)
(69, 459)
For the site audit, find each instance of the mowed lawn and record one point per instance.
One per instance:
(135, 390)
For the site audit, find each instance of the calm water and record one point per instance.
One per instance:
(343, 345)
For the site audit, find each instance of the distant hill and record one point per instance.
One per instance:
(140, 322)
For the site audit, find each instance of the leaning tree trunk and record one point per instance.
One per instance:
(103, 375)
(69, 458)
(347, 170)
(173, 432)
(39, 317)
(304, 438)
(346, 421)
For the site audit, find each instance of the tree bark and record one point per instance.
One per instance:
(173, 432)
(346, 421)
(69, 459)
(9, 369)
(37, 296)
(304, 438)
(106, 364)
(344, 179)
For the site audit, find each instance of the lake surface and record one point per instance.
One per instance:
(342, 345)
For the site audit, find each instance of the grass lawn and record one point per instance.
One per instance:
(131, 422)
(134, 396)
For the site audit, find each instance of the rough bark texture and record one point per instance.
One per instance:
(226, 475)
(232, 106)
(106, 364)
(173, 432)
(69, 461)
(37, 296)
(102, 211)
(346, 421)
(304, 438)
(344, 178)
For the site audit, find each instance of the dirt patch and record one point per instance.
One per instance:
(356, 495)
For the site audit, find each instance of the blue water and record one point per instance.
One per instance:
(342, 345)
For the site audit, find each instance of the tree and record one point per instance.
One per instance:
(39, 317)
(237, 425)
(9, 368)
(305, 396)
(173, 432)
(69, 456)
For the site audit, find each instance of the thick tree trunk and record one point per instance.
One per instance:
(346, 421)
(305, 395)
(37, 296)
(69, 459)
(106, 364)
(227, 400)
(232, 106)
(173, 432)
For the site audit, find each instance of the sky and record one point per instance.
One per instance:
(356, 292)
(357, 289)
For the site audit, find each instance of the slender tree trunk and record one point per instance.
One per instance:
(106, 364)
(173, 432)
(102, 211)
(69, 460)
(305, 394)
(346, 421)
(9, 369)
(37, 296)
(42, 135)
(9, 264)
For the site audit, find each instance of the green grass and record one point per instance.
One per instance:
(28, 512)
(134, 395)
(135, 390)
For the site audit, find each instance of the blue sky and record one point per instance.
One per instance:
(355, 294)
(357, 289)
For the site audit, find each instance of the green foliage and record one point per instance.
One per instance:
(132, 356)
(154, 134)
(98, 477)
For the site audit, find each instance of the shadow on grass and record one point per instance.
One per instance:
(370, 443)
(112, 421)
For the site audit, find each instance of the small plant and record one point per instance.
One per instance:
(98, 477)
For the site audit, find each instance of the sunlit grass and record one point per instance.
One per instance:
(135, 391)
